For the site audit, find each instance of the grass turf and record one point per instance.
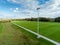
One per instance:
(1, 27)
(48, 29)
(11, 35)
(30, 35)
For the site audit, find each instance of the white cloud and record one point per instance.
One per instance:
(23, 13)
(29, 4)
(49, 9)
(14, 10)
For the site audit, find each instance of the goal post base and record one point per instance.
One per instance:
(38, 36)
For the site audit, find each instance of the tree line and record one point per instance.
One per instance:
(57, 19)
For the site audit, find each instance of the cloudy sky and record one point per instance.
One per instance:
(28, 8)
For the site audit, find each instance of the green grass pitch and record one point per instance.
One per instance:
(12, 35)
(48, 29)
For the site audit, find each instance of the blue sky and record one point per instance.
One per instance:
(27, 8)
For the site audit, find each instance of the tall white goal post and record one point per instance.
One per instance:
(38, 21)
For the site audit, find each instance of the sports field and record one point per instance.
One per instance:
(48, 29)
(11, 35)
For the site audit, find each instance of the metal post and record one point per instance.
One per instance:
(38, 22)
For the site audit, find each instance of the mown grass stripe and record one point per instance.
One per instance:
(46, 28)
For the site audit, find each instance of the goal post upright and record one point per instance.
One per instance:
(38, 21)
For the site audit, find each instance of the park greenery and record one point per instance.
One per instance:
(43, 19)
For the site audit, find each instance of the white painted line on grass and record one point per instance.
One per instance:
(54, 42)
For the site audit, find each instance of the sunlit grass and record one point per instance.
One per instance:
(48, 29)
(12, 35)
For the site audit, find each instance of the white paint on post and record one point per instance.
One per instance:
(52, 41)
(38, 22)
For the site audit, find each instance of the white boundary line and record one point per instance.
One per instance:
(52, 41)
